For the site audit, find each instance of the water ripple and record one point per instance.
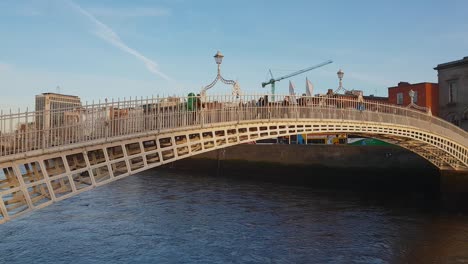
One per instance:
(165, 217)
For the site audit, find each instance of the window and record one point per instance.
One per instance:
(399, 98)
(452, 93)
(415, 98)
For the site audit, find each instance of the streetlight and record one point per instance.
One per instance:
(411, 95)
(340, 74)
(235, 85)
(218, 57)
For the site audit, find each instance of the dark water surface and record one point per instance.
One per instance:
(169, 217)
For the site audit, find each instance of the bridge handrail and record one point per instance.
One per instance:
(174, 101)
(26, 131)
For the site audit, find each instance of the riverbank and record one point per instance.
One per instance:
(383, 168)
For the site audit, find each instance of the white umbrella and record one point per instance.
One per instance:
(291, 92)
(309, 88)
(291, 88)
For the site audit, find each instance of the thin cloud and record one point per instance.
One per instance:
(106, 33)
(131, 12)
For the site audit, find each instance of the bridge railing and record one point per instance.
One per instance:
(26, 131)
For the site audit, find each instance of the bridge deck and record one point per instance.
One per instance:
(79, 149)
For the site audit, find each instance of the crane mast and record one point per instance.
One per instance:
(272, 81)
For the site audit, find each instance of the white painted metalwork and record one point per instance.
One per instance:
(340, 74)
(411, 94)
(96, 144)
(236, 90)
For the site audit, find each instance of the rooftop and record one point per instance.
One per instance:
(66, 95)
(451, 64)
(403, 84)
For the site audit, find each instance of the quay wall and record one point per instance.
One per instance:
(376, 167)
(330, 156)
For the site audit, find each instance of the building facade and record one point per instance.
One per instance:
(453, 91)
(354, 95)
(50, 109)
(425, 94)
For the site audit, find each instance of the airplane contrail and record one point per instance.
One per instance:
(106, 33)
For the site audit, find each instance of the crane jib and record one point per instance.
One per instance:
(296, 73)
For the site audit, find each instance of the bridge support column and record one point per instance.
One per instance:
(454, 186)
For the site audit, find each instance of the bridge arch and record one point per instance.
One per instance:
(37, 178)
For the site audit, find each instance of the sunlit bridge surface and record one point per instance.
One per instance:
(50, 155)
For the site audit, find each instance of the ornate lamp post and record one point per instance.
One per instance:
(340, 74)
(218, 58)
(411, 94)
(235, 85)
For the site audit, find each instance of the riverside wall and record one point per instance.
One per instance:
(326, 156)
(375, 167)
(370, 168)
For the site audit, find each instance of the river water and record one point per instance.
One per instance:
(173, 217)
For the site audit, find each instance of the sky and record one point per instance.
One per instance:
(100, 49)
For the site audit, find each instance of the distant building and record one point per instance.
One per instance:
(353, 94)
(453, 92)
(425, 94)
(50, 109)
(375, 99)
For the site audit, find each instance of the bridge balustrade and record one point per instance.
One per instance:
(29, 131)
(47, 156)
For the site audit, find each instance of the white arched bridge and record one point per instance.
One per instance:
(50, 155)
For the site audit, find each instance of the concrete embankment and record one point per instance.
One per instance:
(376, 167)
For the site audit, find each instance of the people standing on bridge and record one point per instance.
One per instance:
(266, 104)
(360, 102)
(261, 102)
(191, 107)
(260, 105)
(199, 103)
(286, 102)
(198, 108)
(302, 101)
(191, 102)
